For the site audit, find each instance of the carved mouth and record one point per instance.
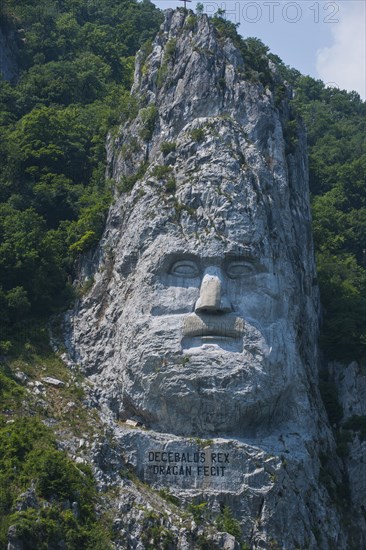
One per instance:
(210, 328)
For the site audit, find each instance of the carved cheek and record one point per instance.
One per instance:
(174, 300)
(257, 305)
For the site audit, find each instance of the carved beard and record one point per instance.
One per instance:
(212, 388)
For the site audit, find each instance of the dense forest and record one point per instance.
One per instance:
(335, 122)
(76, 62)
(76, 66)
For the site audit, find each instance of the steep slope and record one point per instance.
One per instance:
(213, 173)
(210, 199)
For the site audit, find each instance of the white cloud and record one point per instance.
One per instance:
(343, 63)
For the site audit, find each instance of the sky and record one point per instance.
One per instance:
(325, 39)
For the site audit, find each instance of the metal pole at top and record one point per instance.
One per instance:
(185, 3)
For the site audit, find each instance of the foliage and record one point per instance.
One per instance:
(167, 147)
(200, 8)
(128, 182)
(227, 523)
(198, 511)
(30, 458)
(337, 161)
(160, 171)
(166, 495)
(10, 394)
(148, 117)
(198, 134)
(50, 527)
(154, 534)
(76, 62)
(253, 50)
(171, 185)
(190, 22)
(162, 75)
(170, 49)
(168, 57)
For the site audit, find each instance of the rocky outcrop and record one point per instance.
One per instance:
(8, 63)
(350, 383)
(202, 321)
(225, 194)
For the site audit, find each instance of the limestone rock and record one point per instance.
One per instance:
(351, 384)
(21, 376)
(226, 541)
(14, 542)
(27, 500)
(241, 205)
(350, 381)
(8, 53)
(202, 321)
(51, 381)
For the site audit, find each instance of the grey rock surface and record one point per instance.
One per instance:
(51, 381)
(14, 543)
(350, 381)
(8, 64)
(27, 500)
(202, 320)
(238, 222)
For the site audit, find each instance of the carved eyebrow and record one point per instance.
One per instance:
(184, 256)
(242, 257)
(253, 259)
(167, 260)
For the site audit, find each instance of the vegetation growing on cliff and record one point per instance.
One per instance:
(46, 497)
(61, 506)
(76, 63)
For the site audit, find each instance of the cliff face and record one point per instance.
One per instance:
(8, 64)
(349, 382)
(203, 317)
(225, 192)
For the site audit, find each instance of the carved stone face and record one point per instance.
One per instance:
(209, 307)
(209, 342)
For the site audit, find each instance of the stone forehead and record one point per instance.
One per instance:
(204, 214)
(213, 224)
(205, 249)
(221, 154)
(222, 179)
(158, 247)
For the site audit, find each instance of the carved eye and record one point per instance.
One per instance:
(184, 268)
(239, 269)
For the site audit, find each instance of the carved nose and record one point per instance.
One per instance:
(212, 296)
